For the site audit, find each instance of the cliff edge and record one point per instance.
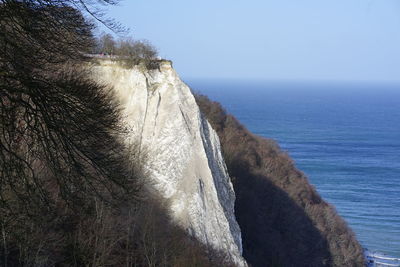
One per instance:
(183, 153)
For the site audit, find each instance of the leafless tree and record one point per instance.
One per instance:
(106, 44)
(132, 52)
(60, 151)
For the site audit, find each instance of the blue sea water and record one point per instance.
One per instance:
(344, 136)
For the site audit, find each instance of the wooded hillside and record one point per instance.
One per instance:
(284, 222)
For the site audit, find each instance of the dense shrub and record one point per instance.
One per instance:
(284, 221)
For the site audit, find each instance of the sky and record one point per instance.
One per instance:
(339, 40)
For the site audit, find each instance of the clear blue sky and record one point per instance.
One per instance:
(271, 40)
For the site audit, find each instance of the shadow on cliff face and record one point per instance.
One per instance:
(284, 222)
(275, 230)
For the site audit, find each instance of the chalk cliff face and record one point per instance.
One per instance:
(183, 152)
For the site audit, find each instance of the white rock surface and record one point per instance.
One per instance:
(183, 152)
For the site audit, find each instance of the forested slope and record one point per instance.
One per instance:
(284, 222)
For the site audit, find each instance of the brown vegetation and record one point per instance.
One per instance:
(127, 51)
(284, 221)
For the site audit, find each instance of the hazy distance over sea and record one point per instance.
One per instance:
(344, 136)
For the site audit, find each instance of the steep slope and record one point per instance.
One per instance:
(183, 154)
(284, 221)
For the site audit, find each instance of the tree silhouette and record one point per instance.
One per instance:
(60, 151)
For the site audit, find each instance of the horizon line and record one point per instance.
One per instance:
(256, 80)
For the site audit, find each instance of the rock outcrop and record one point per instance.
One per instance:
(183, 153)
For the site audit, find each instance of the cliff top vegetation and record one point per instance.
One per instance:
(127, 51)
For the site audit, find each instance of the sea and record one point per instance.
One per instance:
(345, 136)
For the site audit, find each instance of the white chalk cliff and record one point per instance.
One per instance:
(184, 156)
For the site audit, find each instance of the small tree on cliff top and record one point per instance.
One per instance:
(106, 44)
